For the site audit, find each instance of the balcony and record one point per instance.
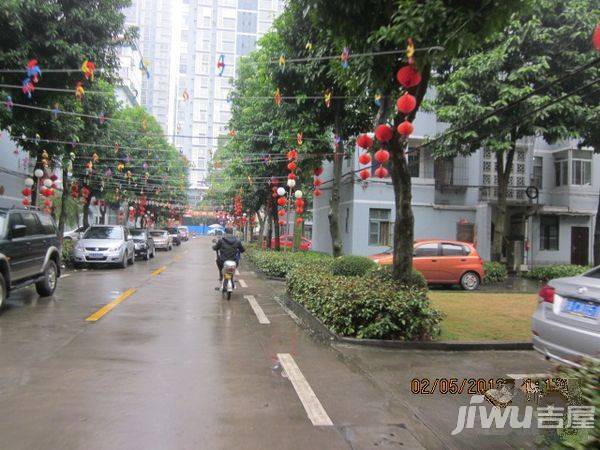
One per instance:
(451, 174)
(515, 195)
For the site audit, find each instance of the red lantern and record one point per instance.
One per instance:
(53, 177)
(318, 171)
(292, 154)
(317, 182)
(281, 222)
(317, 193)
(281, 201)
(292, 176)
(381, 172)
(406, 128)
(364, 174)
(596, 37)
(364, 141)
(26, 202)
(299, 220)
(382, 156)
(291, 166)
(299, 202)
(47, 203)
(384, 133)
(408, 76)
(281, 212)
(299, 210)
(364, 159)
(26, 192)
(407, 103)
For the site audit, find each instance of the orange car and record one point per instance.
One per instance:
(443, 262)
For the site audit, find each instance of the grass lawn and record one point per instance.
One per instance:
(484, 316)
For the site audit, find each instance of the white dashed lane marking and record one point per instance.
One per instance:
(260, 314)
(315, 411)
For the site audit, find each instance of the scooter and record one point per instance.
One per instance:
(228, 282)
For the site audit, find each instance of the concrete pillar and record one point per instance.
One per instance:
(483, 221)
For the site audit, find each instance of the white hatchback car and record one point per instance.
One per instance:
(105, 244)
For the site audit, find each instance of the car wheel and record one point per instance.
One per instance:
(3, 293)
(469, 281)
(123, 263)
(132, 260)
(153, 254)
(47, 285)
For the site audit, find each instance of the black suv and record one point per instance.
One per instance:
(29, 252)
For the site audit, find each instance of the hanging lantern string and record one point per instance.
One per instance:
(70, 91)
(357, 55)
(48, 70)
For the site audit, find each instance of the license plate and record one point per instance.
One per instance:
(95, 255)
(584, 309)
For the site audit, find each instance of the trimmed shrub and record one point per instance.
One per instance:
(278, 264)
(494, 272)
(67, 252)
(384, 273)
(352, 266)
(367, 307)
(544, 273)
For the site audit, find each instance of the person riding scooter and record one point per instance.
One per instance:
(228, 248)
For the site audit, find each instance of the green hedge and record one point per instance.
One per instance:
(67, 252)
(278, 264)
(352, 266)
(384, 273)
(544, 273)
(367, 307)
(494, 272)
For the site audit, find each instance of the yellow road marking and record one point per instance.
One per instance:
(159, 270)
(108, 307)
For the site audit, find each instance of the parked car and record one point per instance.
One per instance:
(443, 262)
(143, 243)
(29, 252)
(175, 235)
(566, 323)
(287, 240)
(75, 234)
(105, 244)
(184, 232)
(216, 232)
(162, 239)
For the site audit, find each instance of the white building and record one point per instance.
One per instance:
(130, 72)
(209, 29)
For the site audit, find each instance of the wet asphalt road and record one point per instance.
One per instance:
(174, 366)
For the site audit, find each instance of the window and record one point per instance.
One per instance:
(48, 224)
(536, 177)
(454, 250)
(426, 250)
(380, 226)
(14, 219)
(32, 223)
(561, 172)
(413, 163)
(549, 232)
(581, 173)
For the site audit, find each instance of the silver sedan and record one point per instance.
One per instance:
(566, 323)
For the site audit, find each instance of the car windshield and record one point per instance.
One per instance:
(182, 229)
(103, 233)
(172, 230)
(594, 273)
(158, 233)
(138, 234)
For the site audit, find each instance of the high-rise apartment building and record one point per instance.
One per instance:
(210, 30)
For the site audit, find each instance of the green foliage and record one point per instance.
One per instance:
(545, 273)
(494, 272)
(352, 266)
(278, 264)
(365, 307)
(67, 252)
(416, 278)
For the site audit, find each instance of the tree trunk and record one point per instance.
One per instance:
(275, 225)
(36, 180)
(337, 245)
(86, 211)
(503, 171)
(64, 197)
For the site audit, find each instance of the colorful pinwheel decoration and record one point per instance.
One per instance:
(378, 99)
(277, 97)
(79, 91)
(88, 68)
(282, 62)
(345, 57)
(186, 95)
(27, 87)
(327, 97)
(55, 111)
(410, 51)
(9, 103)
(33, 70)
(299, 138)
(221, 65)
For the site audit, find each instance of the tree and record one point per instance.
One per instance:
(385, 25)
(516, 62)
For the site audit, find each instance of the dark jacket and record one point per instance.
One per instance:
(228, 248)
